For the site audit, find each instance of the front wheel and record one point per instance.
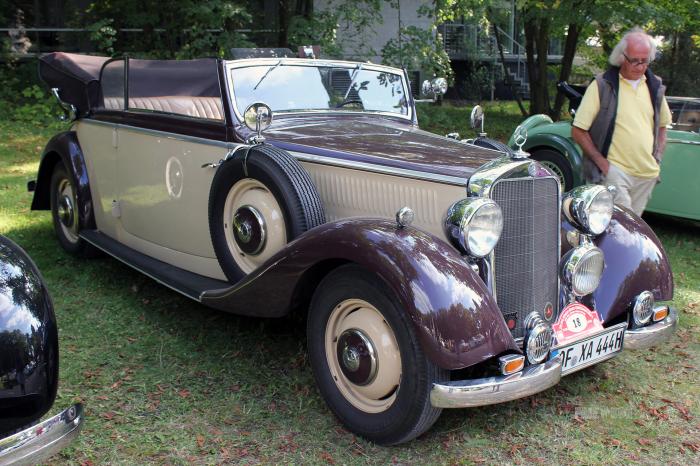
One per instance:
(366, 360)
(557, 164)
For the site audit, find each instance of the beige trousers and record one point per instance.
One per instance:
(632, 192)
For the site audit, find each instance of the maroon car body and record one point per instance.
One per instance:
(417, 256)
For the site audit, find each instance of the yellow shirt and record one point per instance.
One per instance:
(633, 138)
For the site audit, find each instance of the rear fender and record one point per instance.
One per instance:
(64, 147)
(456, 320)
(635, 261)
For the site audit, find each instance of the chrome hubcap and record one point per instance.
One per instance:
(357, 357)
(249, 230)
(65, 210)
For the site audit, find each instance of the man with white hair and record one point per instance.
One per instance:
(621, 123)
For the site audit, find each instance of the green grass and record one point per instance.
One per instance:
(165, 380)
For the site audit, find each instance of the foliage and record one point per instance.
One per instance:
(418, 49)
(679, 65)
(356, 18)
(103, 35)
(185, 29)
(320, 29)
(22, 98)
(36, 107)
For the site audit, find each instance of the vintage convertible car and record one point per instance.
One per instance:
(29, 364)
(433, 273)
(551, 144)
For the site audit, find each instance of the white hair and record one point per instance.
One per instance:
(616, 56)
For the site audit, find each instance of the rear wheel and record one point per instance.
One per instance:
(64, 213)
(556, 162)
(366, 359)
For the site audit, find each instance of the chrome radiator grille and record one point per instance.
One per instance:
(526, 258)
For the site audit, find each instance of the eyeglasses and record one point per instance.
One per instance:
(636, 61)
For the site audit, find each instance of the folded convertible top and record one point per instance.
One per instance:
(77, 77)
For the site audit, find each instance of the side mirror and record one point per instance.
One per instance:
(477, 119)
(257, 117)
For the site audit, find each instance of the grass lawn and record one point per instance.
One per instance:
(165, 380)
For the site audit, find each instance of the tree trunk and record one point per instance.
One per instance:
(283, 24)
(537, 41)
(566, 64)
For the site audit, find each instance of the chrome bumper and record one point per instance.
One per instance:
(40, 441)
(492, 390)
(651, 335)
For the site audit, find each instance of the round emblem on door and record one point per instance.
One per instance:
(174, 177)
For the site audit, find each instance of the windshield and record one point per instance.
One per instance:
(290, 87)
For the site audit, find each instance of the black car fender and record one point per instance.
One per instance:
(65, 148)
(28, 341)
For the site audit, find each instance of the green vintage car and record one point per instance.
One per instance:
(679, 192)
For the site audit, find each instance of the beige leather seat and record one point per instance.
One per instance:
(198, 107)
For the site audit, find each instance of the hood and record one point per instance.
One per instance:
(380, 141)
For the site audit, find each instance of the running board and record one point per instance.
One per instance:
(187, 283)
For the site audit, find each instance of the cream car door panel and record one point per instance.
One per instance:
(163, 189)
(98, 141)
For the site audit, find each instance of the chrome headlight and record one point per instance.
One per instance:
(643, 308)
(474, 225)
(590, 206)
(582, 268)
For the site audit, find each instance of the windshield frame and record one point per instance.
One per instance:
(233, 64)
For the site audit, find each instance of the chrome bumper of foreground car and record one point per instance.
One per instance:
(492, 390)
(651, 335)
(40, 441)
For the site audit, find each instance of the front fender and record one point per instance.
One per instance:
(635, 261)
(529, 124)
(564, 146)
(456, 320)
(64, 147)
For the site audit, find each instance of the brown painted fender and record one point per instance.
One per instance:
(457, 321)
(635, 261)
(64, 147)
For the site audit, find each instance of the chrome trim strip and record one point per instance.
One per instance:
(482, 181)
(492, 390)
(681, 141)
(39, 442)
(652, 335)
(196, 298)
(370, 167)
(164, 134)
(231, 64)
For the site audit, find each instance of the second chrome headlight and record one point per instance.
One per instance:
(591, 207)
(474, 225)
(582, 268)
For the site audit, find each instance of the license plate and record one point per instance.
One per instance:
(591, 350)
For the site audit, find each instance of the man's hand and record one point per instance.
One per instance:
(584, 140)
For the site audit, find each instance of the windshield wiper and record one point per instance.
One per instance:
(269, 70)
(355, 73)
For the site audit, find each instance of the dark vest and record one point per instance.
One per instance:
(603, 126)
